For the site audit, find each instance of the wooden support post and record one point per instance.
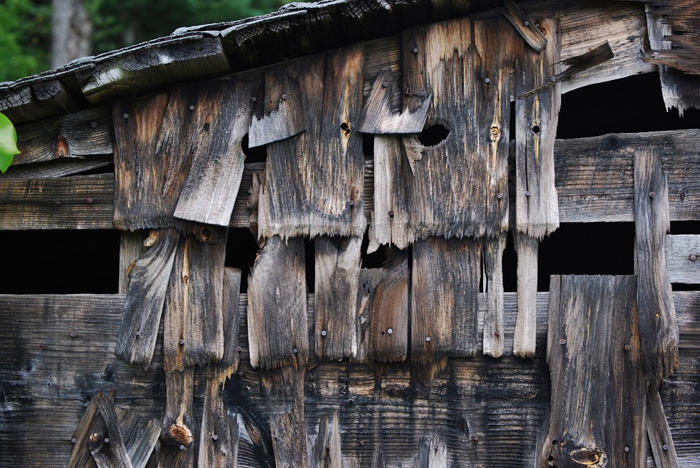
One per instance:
(525, 338)
(657, 313)
(494, 334)
(598, 413)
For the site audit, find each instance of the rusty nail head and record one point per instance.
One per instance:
(562, 341)
(106, 440)
(126, 116)
(475, 438)
(295, 351)
(42, 346)
(627, 449)
(324, 332)
(497, 333)
(389, 331)
(391, 214)
(215, 437)
(93, 124)
(652, 194)
(487, 80)
(665, 447)
(627, 347)
(72, 334)
(427, 339)
(182, 447)
(90, 200)
(73, 440)
(182, 342)
(693, 257)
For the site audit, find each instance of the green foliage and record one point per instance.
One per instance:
(8, 142)
(25, 32)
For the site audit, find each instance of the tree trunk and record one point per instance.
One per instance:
(71, 31)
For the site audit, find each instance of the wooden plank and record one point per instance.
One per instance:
(89, 422)
(281, 120)
(377, 116)
(142, 442)
(277, 322)
(60, 168)
(132, 245)
(78, 202)
(526, 28)
(231, 315)
(337, 278)
(524, 341)
(493, 338)
(383, 311)
(678, 89)
(177, 448)
(107, 446)
(682, 253)
(154, 65)
(444, 299)
(79, 135)
(537, 116)
(326, 451)
(289, 453)
(284, 199)
(595, 176)
(218, 120)
(194, 325)
(660, 437)
(599, 425)
(144, 197)
(38, 100)
(145, 299)
(433, 452)
(379, 54)
(657, 314)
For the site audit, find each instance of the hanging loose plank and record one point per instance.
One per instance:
(524, 339)
(145, 297)
(90, 422)
(194, 329)
(657, 313)
(494, 335)
(594, 353)
(337, 276)
(219, 116)
(326, 452)
(107, 444)
(383, 311)
(445, 299)
(277, 327)
(177, 448)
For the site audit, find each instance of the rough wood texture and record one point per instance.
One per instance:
(218, 436)
(231, 315)
(433, 452)
(682, 255)
(146, 170)
(494, 335)
(377, 116)
(177, 448)
(679, 90)
(524, 341)
(593, 337)
(287, 424)
(35, 101)
(337, 277)
(660, 437)
(107, 446)
(79, 135)
(153, 66)
(60, 168)
(277, 321)
(524, 25)
(79, 202)
(595, 176)
(657, 315)
(145, 297)
(537, 116)
(216, 119)
(290, 452)
(284, 110)
(444, 299)
(132, 245)
(383, 311)
(194, 325)
(326, 451)
(89, 423)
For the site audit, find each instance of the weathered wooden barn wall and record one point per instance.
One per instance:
(423, 132)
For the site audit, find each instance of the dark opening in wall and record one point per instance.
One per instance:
(375, 259)
(368, 145)
(253, 155)
(241, 250)
(59, 262)
(685, 227)
(310, 260)
(433, 135)
(633, 104)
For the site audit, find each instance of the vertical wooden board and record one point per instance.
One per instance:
(131, 248)
(525, 337)
(107, 446)
(145, 299)
(141, 177)
(231, 316)
(194, 328)
(326, 451)
(682, 254)
(89, 423)
(383, 311)
(494, 333)
(445, 298)
(336, 169)
(219, 116)
(657, 313)
(598, 402)
(537, 116)
(433, 452)
(277, 322)
(337, 277)
(660, 438)
(285, 196)
(177, 448)
(218, 436)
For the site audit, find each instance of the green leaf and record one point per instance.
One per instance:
(8, 143)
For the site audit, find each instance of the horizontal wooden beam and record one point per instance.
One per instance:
(683, 258)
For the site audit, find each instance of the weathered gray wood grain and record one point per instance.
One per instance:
(78, 202)
(657, 315)
(215, 121)
(337, 278)
(593, 336)
(524, 341)
(524, 25)
(432, 453)
(231, 316)
(88, 424)
(60, 168)
(132, 245)
(660, 437)
(383, 311)
(445, 279)
(278, 334)
(193, 316)
(284, 110)
(145, 297)
(682, 254)
(492, 252)
(218, 435)
(327, 452)
(79, 135)
(536, 120)
(107, 445)
(177, 446)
